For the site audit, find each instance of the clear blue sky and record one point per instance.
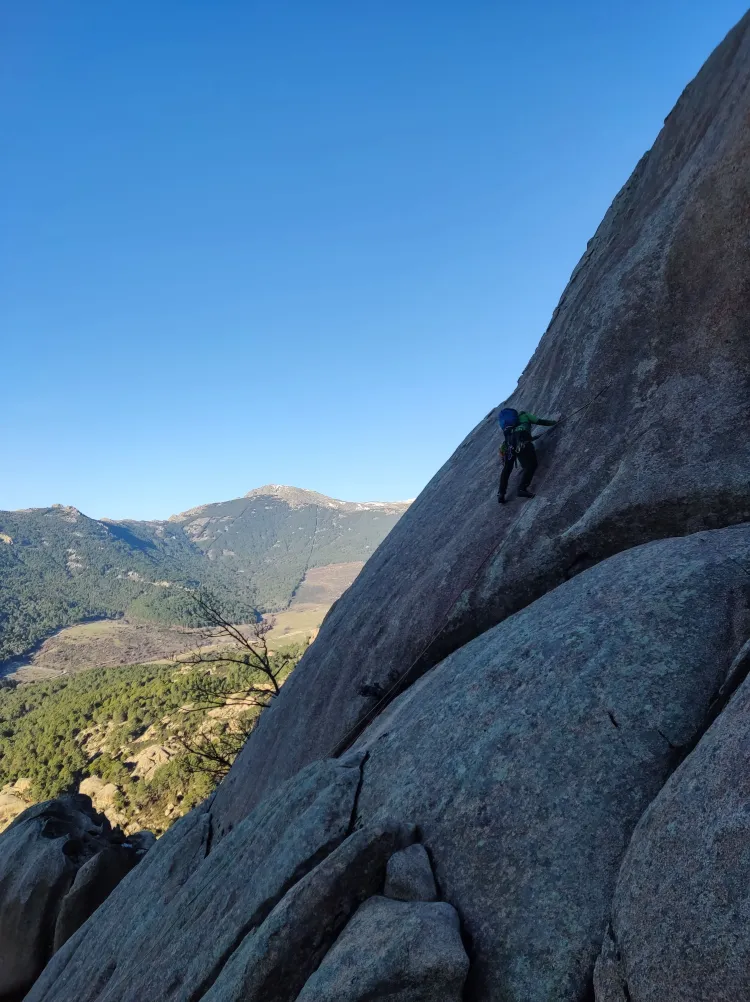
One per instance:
(300, 242)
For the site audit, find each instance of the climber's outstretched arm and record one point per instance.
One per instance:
(542, 421)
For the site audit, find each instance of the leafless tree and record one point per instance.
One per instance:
(232, 668)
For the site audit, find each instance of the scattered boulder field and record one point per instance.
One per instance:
(513, 767)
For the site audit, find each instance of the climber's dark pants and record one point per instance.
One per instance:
(527, 459)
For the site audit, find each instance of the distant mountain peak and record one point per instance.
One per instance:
(67, 512)
(297, 497)
(294, 496)
(285, 492)
(255, 551)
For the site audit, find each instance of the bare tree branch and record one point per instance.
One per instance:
(232, 668)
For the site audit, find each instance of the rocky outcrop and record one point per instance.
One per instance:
(129, 917)
(58, 861)
(254, 918)
(93, 884)
(646, 360)
(272, 963)
(198, 921)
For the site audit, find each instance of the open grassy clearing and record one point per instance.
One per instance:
(116, 643)
(103, 644)
(323, 585)
(296, 625)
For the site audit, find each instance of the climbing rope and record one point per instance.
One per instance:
(351, 735)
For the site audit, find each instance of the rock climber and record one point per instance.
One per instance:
(518, 445)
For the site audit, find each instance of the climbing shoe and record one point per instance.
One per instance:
(501, 499)
(523, 493)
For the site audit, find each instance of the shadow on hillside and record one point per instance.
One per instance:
(126, 536)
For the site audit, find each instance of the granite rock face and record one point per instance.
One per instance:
(183, 924)
(48, 855)
(410, 876)
(93, 884)
(394, 951)
(646, 360)
(527, 757)
(681, 915)
(272, 962)
(609, 978)
(131, 916)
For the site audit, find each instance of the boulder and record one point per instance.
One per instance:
(409, 876)
(130, 917)
(273, 962)
(51, 880)
(528, 757)
(681, 916)
(170, 928)
(646, 361)
(393, 951)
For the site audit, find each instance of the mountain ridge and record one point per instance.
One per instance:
(283, 491)
(58, 566)
(300, 496)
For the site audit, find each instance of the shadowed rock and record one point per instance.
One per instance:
(93, 884)
(609, 977)
(410, 876)
(149, 945)
(394, 951)
(130, 917)
(273, 962)
(58, 861)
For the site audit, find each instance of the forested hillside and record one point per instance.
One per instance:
(117, 734)
(59, 567)
(278, 533)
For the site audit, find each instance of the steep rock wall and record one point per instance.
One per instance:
(647, 360)
(528, 756)
(522, 763)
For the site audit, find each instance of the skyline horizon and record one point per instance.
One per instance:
(207, 504)
(303, 246)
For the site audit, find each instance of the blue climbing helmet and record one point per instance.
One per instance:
(507, 418)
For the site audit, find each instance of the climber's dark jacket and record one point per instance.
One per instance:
(522, 430)
(523, 451)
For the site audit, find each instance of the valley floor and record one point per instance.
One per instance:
(111, 643)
